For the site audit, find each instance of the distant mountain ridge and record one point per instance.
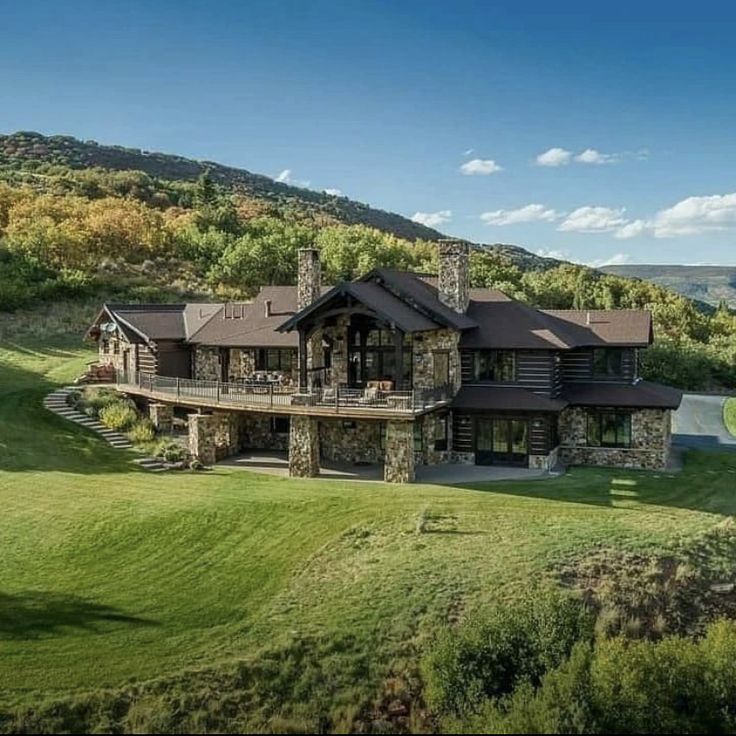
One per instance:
(21, 148)
(710, 284)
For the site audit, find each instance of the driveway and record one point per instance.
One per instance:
(699, 423)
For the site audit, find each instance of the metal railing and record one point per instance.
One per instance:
(266, 395)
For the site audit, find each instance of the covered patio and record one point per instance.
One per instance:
(277, 463)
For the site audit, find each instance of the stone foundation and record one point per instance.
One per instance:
(399, 465)
(162, 416)
(303, 447)
(346, 441)
(544, 462)
(650, 441)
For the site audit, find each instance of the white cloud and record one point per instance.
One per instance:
(468, 151)
(528, 213)
(285, 178)
(592, 156)
(560, 255)
(432, 219)
(593, 220)
(480, 166)
(631, 230)
(333, 192)
(554, 157)
(696, 215)
(617, 259)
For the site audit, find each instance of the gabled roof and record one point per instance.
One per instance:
(376, 298)
(248, 324)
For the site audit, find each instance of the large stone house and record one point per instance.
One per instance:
(396, 368)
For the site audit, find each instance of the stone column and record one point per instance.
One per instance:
(303, 447)
(454, 277)
(162, 416)
(399, 464)
(202, 438)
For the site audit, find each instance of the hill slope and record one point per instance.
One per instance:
(28, 149)
(710, 284)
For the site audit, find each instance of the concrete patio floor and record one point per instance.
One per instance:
(277, 463)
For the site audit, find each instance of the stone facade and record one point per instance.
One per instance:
(347, 441)
(242, 363)
(110, 350)
(454, 277)
(399, 464)
(162, 416)
(206, 363)
(309, 277)
(427, 426)
(256, 433)
(425, 346)
(650, 440)
(544, 462)
(303, 447)
(338, 336)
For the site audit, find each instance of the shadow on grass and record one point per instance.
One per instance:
(37, 614)
(707, 484)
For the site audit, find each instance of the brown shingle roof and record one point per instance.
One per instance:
(642, 395)
(607, 327)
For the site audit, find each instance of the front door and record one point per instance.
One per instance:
(500, 441)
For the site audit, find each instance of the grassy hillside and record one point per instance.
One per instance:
(227, 600)
(28, 149)
(709, 284)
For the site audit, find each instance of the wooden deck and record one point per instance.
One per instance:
(272, 399)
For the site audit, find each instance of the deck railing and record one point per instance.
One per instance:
(267, 395)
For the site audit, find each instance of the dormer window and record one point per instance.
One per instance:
(607, 362)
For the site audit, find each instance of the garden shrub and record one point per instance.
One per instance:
(142, 431)
(170, 451)
(488, 656)
(119, 416)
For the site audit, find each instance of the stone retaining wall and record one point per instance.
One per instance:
(255, 433)
(347, 441)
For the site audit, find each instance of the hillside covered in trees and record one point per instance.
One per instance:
(73, 227)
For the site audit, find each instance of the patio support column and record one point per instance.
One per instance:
(162, 416)
(399, 463)
(303, 446)
(201, 438)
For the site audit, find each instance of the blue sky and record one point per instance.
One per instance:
(594, 131)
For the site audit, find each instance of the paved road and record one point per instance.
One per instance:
(699, 423)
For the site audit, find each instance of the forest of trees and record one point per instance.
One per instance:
(93, 233)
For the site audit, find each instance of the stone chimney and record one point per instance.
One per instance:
(309, 277)
(454, 281)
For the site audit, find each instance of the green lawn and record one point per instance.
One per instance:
(307, 597)
(729, 415)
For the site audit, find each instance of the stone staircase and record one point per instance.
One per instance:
(58, 403)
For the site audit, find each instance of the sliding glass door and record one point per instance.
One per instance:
(501, 441)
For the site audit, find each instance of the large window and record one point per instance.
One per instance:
(607, 362)
(274, 359)
(373, 357)
(440, 433)
(609, 429)
(494, 366)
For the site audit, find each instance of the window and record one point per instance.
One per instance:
(440, 433)
(607, 362)
(116, 346)
(418, 437)
(274, 359)
(105, 346)
(280, 425)
(494, 366)
(609, 429)
(372, 356)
